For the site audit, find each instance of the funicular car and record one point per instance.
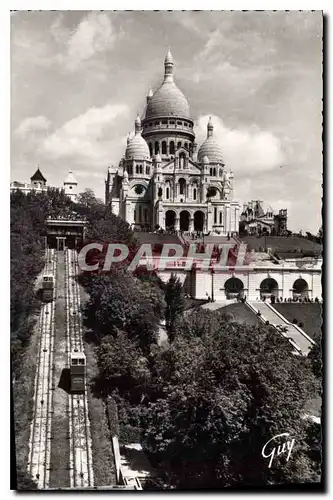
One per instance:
(78, 371)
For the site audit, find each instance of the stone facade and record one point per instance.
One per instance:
(163, 180)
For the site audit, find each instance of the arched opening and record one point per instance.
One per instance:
(194, 192)
(210, 171)
(268, 287)
(184, 220)
(164, 148)
(170, 220)
(300, 289)
(233, 287)
(220, 218)
(199, 218)
(215, 215)
(182, 186)
(182, 160)
(150, 149)
(157, 148)
(172, 148)
(179, 145)
(214, 172)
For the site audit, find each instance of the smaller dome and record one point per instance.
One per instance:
(137, 148)
(70, 179)
(210, 147)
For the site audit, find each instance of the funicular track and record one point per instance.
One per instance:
(80, 452)
(39, 465)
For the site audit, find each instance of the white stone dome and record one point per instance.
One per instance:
(210, 147)
(168, 100)
(137, 148)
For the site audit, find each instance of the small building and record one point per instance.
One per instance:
(258, 218)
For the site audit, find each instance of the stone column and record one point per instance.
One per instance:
(227, 219)
(177, 225)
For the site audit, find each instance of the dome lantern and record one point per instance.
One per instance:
(168, 65)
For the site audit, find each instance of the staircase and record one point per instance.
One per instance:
(294, 333)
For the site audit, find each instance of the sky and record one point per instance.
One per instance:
(79, 79)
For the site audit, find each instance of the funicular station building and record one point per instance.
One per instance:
(65, 231)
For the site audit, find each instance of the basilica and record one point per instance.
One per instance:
(164, 180)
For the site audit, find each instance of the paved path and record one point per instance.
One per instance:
(296, 334)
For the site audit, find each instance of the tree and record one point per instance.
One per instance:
(222, 390)
(122, 366)
(119, 301)
(315, 357)
(175, 303)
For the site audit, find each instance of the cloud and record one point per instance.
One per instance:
(88, 137)
(94, 34)
(247, 150)
(32, 125)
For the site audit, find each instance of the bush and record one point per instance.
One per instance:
(129, 434)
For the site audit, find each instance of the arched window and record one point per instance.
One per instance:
(151, 149)
(179, 145)
(148, 170)
(215, 215)
(220, 217)
(186, 145)
(157, 148)
(182, 185)
(141, 169)
(167, 193)
(172, 148)
(211, 171)
(214, 172)
(194, 193)
(137, 169)
(164, 148)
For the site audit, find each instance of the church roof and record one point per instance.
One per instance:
(38, 176)
(137, 148)
(210, 147)
(70, 179)
(168, 100)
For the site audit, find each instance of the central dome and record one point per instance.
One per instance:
(168, 100)
(210, 148)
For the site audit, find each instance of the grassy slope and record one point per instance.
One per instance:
(240, 313)
(309, 314)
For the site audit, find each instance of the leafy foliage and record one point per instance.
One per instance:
(27, 230)
(222, 391)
